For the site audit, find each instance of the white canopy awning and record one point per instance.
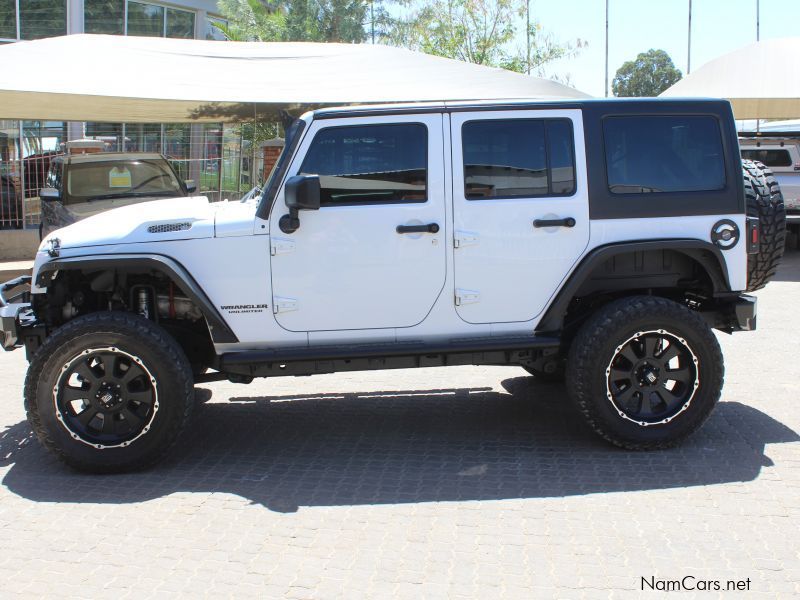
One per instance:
(134, 79)
(762, 80)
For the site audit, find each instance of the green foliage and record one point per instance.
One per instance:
(485, 32)
(293, 20)
(650, 74)
(252, 20)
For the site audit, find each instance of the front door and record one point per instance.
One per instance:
(520, 209)
(373, 255)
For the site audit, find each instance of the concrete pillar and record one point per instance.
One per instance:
(75, 17)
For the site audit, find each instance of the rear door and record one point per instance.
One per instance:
(520, 208)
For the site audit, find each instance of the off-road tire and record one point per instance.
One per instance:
(764, 201)
(597, 342)
(139, 337)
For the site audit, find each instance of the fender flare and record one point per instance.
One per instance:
(220, 331)
(705, 253)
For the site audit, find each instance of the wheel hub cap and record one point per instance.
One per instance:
(652, 377)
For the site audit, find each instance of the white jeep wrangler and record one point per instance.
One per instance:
(597, 241)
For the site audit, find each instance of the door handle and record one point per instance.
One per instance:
(429, 228)
(565, 222)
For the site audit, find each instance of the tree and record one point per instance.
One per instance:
(650, 74)
(479, 31)
(293, 20)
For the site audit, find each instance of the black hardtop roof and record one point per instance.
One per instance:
(609, 105)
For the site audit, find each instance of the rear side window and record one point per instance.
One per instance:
(664, 153)
(771, 158)
(370, 164)
(518, 158)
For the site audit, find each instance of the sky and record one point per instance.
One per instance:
(718, 27)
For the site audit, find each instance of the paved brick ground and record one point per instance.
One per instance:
(437, 483)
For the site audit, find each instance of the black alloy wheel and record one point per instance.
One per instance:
(106, 397)
(652, 377)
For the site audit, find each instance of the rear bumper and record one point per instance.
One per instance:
(15, 311)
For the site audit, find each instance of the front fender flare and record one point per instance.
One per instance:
(221, 333)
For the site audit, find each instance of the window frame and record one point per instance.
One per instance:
(18, 23)
(548, 163)
(604, 149)
(424, 126)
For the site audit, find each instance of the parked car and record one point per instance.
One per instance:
(781, 154)
(82, 185)
(598, 240)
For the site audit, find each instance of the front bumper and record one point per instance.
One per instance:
(15, 311)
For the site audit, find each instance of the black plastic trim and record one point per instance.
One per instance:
(294, 134)
(717, 270)
(221, 333)
(391, 349)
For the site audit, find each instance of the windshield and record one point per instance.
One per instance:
(124, 178)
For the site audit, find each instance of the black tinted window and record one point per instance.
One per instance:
(517, 158)
(771, 158)
(370, 163)
(663, 154)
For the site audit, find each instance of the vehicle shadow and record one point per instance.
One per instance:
(285, 452)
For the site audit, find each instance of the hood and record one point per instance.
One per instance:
(159, 220)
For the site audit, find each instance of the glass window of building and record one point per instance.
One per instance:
(158, 21)
(8, 19)
(42, 18)
(180, 24)
(145, 19)
(104, 16)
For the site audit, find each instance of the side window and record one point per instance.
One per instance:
(771, 158)
(518, 158)
(664, 153)
(370, 164)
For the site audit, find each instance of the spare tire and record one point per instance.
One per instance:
(764, 201)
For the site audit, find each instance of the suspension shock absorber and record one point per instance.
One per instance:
(143, 302)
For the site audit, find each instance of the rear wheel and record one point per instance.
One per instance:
(645, 372)
(109, 392)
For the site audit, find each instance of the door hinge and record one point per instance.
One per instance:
(279, 246)
(467, 297)
(282, 305)
(465, 238)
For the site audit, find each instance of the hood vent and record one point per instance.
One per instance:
(169, 227)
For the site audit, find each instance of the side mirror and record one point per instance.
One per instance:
(191, 186)
(301, 192)
(49, 194)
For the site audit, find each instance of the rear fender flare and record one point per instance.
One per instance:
(706, 254)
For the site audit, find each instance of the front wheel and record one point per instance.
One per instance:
(645, 372)
(109, 392)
